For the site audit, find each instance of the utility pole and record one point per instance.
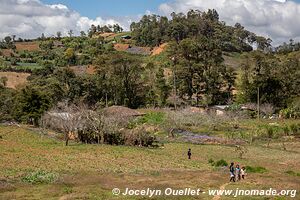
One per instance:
(106, 100)
(258, 104)
(174, 83)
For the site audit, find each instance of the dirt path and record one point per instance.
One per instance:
(217, 197)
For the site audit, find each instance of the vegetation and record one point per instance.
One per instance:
(171, 78)
(191, 71)
(91, 171)
(39, 177)
(256, 169)
(152, 30)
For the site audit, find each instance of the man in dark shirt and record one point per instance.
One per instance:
(232, 175)
(189, 153)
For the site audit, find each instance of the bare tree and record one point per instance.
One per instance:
(66, 119)
(268, 109)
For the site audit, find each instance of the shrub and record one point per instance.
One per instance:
(294, 129)
(256, 169)
(211, 161)
(292, 173)
(40, 177)
(270, 132)
(219, 163)
(153, 118)
(285, 130)
(139, 136)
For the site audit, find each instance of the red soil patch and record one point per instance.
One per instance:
(121, 47)
(91, 69)
(159, 50)
(14, 78)
(29, 46)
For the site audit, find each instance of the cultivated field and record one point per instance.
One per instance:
(36, 166)
(14, 79)
(29, 46)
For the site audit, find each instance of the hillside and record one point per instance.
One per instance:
(178, 103)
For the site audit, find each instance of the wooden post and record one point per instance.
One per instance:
(258, 104)
(106, 101)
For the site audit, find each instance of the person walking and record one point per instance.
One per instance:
(243, 172)
(231, 170)
(189, 153)
(238, 172)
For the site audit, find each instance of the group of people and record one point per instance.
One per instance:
(236, 173)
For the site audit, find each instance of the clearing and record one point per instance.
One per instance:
(92, 171)
(29, 46)
(15, 79)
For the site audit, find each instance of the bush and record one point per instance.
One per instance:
(256, 169)
(39, 177)
(286, 130)
(270, 132)
(211, 161)
(139, 136)
(295, 129)
(219, 163)
(153, 118)
(292, 173)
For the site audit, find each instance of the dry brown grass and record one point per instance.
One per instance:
(29, 46)
(160, 49)
(15, 78)
(105, 35)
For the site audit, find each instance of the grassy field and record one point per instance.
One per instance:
(35, 166)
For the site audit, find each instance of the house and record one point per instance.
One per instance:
(219, 110)
(58, 44)
(126, 37)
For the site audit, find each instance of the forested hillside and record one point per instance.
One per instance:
(204, 62)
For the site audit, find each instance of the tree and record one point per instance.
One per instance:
(58, 34)
(117, 28)
(46, 45)
(92, 30)
(263, 43)
(43, 36)
(7, 101)
(70, 33)
(269, 74)
(8, 39)
(70, 56)
(200, 70)
(82, 34)
(163, 87)
(31, 104)
(120, 74)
